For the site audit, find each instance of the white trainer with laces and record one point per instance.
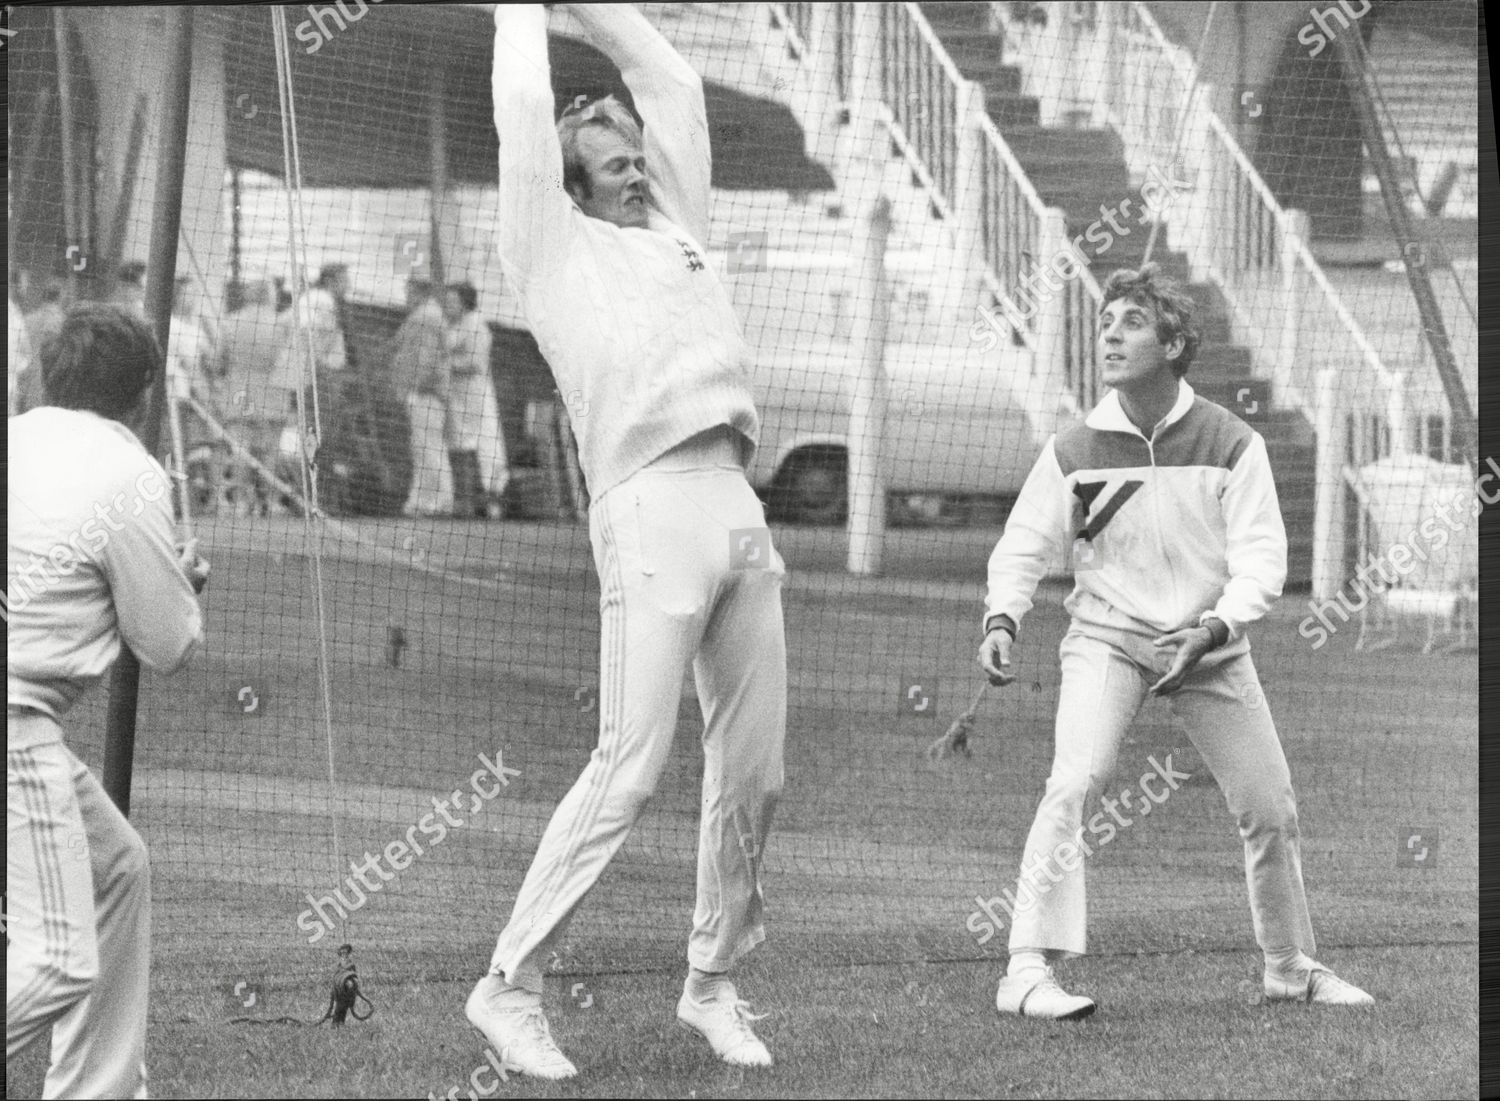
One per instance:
(1035, 993)
(520, 1036)
(1315, 984)
(725, 1023)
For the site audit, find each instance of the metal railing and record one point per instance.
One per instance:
(936, 119)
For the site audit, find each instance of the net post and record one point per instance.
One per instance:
(161, 268)
(1328, 501)
(867, 401)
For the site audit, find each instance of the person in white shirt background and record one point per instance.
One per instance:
(91, 563)
(1167, 505)
(476, 445)
(602, 235)
(419, 377)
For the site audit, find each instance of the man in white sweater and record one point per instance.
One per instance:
(91, 562)
(602, 231)
(1164, 504)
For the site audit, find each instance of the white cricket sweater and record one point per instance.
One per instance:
(636, 326)
(1163, 533)
(91, 558)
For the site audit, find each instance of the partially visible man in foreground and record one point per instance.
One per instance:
(91, 562)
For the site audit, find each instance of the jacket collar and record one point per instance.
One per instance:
(1107, 416)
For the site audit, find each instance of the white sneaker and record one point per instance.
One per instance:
(1035, 993)
(725, 1024)
(1316, 984)
(521, 1037)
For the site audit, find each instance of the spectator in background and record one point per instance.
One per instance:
(130, 287)
(18, 355)
(257, 398)
(193, 372)
(419, 376)
(43, 322)
(475, 444)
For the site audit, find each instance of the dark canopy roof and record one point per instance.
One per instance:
(362, 109)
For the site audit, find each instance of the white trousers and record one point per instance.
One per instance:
(431, 480)
(78, 892)
(474, 425)
(687, 574)
(1104, 683)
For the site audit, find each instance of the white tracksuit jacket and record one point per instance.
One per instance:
(1162, 532)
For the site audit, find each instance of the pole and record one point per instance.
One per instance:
(161, 277)
(67, 139)
(437, 138)
(1465, 429)
(867, 402)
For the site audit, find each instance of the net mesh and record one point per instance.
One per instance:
(1004, 136)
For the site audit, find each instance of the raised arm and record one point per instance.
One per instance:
(535, 212)
(668, 96)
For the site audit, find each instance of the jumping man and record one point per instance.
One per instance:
(602, 231)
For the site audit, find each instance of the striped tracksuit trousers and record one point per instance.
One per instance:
(78, 900)
(687, 575)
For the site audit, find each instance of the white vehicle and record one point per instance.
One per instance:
(954, 426)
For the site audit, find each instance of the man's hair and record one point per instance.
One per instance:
(1165, 296)
(101, 360)
(607, 114)
(468, 297)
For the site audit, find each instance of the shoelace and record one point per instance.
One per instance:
(539, 1031)
(740, 1015)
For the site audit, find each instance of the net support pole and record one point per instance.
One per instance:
(867, 402)
(161, 268)
(1413, 251)
(1328, 504)
(437, 145)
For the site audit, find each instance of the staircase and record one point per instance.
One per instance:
(1083, 171)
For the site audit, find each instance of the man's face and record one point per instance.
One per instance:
(1129, 351)
(617, 172)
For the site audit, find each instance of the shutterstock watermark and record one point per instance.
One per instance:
(1105, 825)
(314, 31)
(65, 557)
(1157, 196)
(433, 826)
(1400, 558)
(1309, 34)
(485, 1079)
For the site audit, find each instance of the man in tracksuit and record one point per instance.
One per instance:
(1165, 504)
(601, 234)
(92, 564)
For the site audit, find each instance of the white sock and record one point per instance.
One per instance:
(708, 986)
(1287, 961)
(1026, 959)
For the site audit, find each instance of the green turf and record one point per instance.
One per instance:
(876, 859)
(1169, 1025)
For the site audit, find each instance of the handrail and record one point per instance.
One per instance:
(1187, 69)
(970, 174)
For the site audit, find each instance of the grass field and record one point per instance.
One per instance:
(874, 984)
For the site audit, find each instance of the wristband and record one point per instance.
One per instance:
(1218, 631)
(1001, 622)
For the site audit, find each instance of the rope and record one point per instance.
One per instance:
(312, 516)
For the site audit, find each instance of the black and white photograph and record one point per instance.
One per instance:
(745, 549)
